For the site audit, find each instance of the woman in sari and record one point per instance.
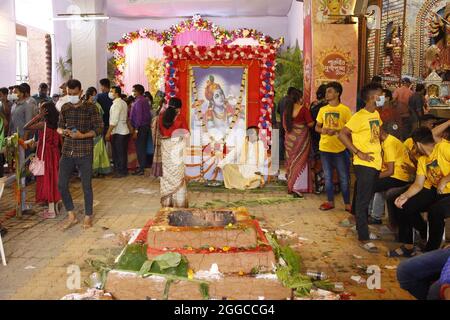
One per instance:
(157, 160)
(173, 182)
(297, 121)
(101, 165)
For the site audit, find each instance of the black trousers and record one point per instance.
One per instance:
(384, 184)
(119, 145)
(366, 178)
(141, 146)
(438, 208)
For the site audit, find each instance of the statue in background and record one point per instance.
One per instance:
(438, 54)
(393, 50)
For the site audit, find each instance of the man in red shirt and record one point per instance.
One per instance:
(401, 98)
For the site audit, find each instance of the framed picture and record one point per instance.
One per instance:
(217, 113)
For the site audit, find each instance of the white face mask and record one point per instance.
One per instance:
(73, 99)
(381, 100)
(111, 95)
(12, 97)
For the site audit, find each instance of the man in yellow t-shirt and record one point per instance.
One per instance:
(333, 154)
(393, 172)
(361, 135)
(430, 192)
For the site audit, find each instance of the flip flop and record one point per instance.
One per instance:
(373, 236)
(326, 206)
(87, 223)
(370, 247)
(70, 224)
(405, 252)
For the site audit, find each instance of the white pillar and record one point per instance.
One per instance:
(89, 46)
(7, 43)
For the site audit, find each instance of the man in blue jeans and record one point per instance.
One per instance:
(333, 154)
(79, 123)
(427, 276)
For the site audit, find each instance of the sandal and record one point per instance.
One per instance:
(373, 236)
(87, 222)
(71, 221)
(326, 206)
(46, 214)
(370, 247)
(402, 252)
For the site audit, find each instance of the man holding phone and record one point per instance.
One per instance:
(79, 123)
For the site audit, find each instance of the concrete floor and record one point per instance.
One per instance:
(39, 252)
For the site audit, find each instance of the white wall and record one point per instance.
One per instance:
(295, 25)
(273, 26)
(7, 43)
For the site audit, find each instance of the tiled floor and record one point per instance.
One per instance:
(39, 252)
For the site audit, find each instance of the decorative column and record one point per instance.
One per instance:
(89, 45)
(330, 49)
(7, 43)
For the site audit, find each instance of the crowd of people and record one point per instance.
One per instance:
(401, 162)
(79, 133)
(400, 156)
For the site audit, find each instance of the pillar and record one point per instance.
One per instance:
(7, 43)
(330, 49)
(89, 45)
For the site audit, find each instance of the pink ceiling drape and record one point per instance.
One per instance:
(136, 56)
(199, 38)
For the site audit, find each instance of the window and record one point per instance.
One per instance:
(22, 60)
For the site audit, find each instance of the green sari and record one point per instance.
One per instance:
(101, 163)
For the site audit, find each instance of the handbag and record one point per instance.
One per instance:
(37, 166)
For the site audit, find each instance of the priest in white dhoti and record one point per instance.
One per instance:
(243, 167)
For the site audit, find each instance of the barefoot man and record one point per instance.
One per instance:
(79, 123)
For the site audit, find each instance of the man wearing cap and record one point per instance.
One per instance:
(402, 96)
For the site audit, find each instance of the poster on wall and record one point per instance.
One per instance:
(217, 115)
(335, 57)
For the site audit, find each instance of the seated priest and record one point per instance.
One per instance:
(243, 167)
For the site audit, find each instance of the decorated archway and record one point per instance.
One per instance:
(200, 58)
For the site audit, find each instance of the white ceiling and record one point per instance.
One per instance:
(187, 8)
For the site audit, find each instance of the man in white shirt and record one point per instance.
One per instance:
(243, 167)
(118, 132)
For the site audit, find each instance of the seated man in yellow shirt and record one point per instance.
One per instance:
(430, 193)
(361, 135)
(393, 174)
(243, 167)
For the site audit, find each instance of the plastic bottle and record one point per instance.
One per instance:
(316, 275)
(95, 280)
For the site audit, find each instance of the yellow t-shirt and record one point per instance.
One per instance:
(333, 118)
(436, 166)
(395, 151)
(365, 128)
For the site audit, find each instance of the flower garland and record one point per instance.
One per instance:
(165, 38)
(264, 54)
(234, 118)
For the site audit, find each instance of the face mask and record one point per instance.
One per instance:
(381, 101)
(111, 95)
(74, 99)
(12, 97)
